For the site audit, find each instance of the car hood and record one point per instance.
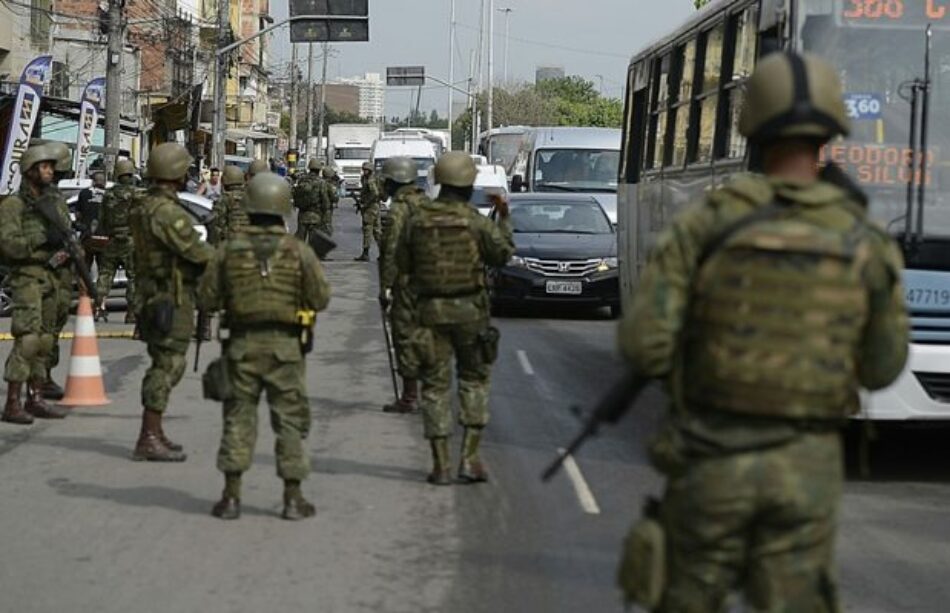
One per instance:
(566, 246)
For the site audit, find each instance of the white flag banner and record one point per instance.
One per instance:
(88, 119)
(25, 113)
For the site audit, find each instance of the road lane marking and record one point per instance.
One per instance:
(584, 495)
(6, 336)
(525, 364)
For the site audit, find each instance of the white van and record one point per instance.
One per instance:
(491, 179)
(420, 150)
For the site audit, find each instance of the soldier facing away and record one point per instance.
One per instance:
(443, 248)
(371, 194)
(765, 307)
(399, 184)
(269, 284)
(308, 195)
(30, 244)
(228, 210)
(329, 197)
(169, 258)
(114, 224)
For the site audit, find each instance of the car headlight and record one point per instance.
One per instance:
(517, 260)
(607, 264)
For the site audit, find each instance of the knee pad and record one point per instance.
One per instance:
(30, 345)
(47, 342)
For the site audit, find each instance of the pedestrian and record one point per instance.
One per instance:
(371, 194)
(212, 188)
(116, 207)
(271, 285)
(396, 296)
(329, 197)
(194, 183)
(443, 249)
(169, 258)
(33, 248)
(766, 306)
(87, 218)
(308, 196)
(229, 215)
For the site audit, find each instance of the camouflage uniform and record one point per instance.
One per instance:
(308, 197)
(64, 279)
(229, 215)
(371, 194)
(329, 197)
(116, 207)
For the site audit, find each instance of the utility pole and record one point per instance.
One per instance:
(451, 68)
(323, 98)
(113, 83)
(309, 98)
(507, 12)
(293, 96)
(491, 73)
(220, 121)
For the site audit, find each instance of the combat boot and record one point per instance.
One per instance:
(13, 411)
(36, 405)
(129, 316)
(471, 468)
(407, 401)
(165, 440)
(102, 313)
(149, 447)
(295, 505)
(363, 257)
(441, 473)
(229, 507)
(51, 390)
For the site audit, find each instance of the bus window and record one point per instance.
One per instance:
(743, 33)
(680, 113)
(656, 142)
(709, 94)
(634, 124)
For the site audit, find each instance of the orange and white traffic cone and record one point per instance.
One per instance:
(84, 384)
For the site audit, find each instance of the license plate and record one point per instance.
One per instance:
(573, 288)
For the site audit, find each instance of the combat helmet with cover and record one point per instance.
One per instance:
(367, 166)
(456, 169)
(64, 163)
(232, 175)
(268, 194)
(328, 172)
(168, 162)
(36, 154)
(400, 170)
(124, 167)
(791, 95)
(257, 167)
(314, 164)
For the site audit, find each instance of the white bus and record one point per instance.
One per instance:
(684, 93)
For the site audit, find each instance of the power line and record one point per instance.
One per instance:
(539, 43)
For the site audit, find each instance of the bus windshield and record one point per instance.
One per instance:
(351, 153)
(576, 170)
(878, 57)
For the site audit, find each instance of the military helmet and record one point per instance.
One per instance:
(399, 170)
(268, 194)
(314, 164)
(791, 95)
(328, 172)
(124, 167)
(232, 175)
(457, 169)
(257, 167)
(367, 166)
(168, 162)
(36, 154)
(64, 159)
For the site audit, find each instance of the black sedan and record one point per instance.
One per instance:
(565, 253)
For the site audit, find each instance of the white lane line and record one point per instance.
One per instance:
(525, 364)
(584, 495)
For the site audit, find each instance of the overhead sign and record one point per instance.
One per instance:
(397, 76)
(863, 107)
(88, 120)
(334, 21)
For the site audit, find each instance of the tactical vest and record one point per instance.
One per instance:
(236, 216)
(116, 205)
(34, 226)
(262, 275)
(152, 259)
(307, 194)
(446, 260)
(775, 315)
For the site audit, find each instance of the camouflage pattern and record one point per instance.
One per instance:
(169, 258)
(308, 197)
(452, 324)
(36, 288)
(116, 208)
(229, 214)
(263, 351)
(751, 500)
(371, 194)
(64, 279)
(329, 197)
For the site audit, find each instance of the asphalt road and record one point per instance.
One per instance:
(83, 528)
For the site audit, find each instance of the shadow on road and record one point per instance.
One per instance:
(337, 466)
(914, 454)
(542, 311)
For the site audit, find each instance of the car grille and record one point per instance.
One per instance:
(936, 384)
(562, 268)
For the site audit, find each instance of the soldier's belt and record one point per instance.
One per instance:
(277, 329)
(460, 294)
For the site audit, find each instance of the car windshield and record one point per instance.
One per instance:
(576, 170)
(351, 153)
(542, 217)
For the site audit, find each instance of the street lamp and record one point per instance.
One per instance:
(507, 12)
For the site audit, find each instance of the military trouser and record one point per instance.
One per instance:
(167, 348)
(372, 230)
(326, 221)
(402, 316)
(307, 221)
(270, 362)
(163, 374)
(762, 522)
(472, 370)
(33, 323)
(118, 253)
(64, 278)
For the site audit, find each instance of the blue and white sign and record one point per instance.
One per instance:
(864, 107)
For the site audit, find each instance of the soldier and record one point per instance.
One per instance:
(308, 196)
(114, 224)
(371, 194)
(329, 197)
(30, 244)
(444, 248)
(266, 281)
(766, 306)
(399, 184)
(88, 212)
(229, 215)
(255, 168)
(169, 258)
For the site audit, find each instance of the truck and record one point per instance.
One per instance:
(348, 148)
(421, 150)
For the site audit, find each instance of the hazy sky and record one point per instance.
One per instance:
(586, 37)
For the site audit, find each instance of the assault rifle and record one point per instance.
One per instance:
(46, 206)
(609, 410)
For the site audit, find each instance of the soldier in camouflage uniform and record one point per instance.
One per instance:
(229, 215)
(329, 197)
(308, 195)
(263, 279)
(371, 194)
(114, 223)
(765, 307)
(29, 243)
(169, 258)
(444, 248)
(399, 184)
(255, 168)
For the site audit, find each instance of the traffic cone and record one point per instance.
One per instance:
(84, 385)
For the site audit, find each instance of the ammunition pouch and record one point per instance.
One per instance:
(642, 571)
(488, 344)
(160, 314)
(216, 381)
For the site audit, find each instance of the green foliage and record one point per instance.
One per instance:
(700, 3)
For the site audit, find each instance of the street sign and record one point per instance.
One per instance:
(333, 21)
(405, 75)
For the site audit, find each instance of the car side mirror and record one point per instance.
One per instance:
(517, 183)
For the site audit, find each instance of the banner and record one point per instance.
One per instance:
(25, 112)
(88, 120)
